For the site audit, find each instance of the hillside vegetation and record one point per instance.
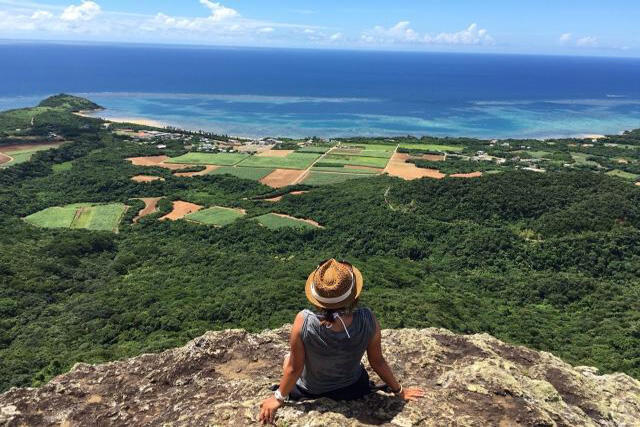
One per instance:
(551, 261)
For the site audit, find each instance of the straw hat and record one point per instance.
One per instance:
(334, 284)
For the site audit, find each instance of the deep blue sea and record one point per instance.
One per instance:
(287, 92)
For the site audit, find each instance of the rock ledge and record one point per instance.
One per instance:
(220, 378)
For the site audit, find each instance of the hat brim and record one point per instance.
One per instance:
(355, 293)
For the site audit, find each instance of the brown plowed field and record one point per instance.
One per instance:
(399, 167)
(150, 206)
(308, 221)
(146, 178)
(208, 169)
(4, 159)
(277, 199)
(275, 153)
(433, 157)
(181, 209)
(281, 177)
(467, 175)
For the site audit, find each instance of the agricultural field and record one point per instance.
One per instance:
(366, 150)
(255, 174)
(321, 149)
(217, 215)
(361, 170)
(581, 159)
(432, 147)
(21, 154)
(344, 159)
(328, 178)
(276, 221)
(220, 159)
(294, 160)
(80, 215)
(623, 174)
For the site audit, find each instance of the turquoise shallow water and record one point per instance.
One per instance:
(297, 93)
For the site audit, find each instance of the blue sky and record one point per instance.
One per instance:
(574, 27)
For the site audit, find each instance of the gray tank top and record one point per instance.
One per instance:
(332, 359)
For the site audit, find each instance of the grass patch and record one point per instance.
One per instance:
(366, 150)
(314, 149)
(328, 178)
(623, 174)
(254, 174)
(62, 167)
(80, 215)
(219, 159)
(275, 222)
(581, 160)
(433, 147)
(343, 159)
(22, 156)
(216, 215)
(294, 160)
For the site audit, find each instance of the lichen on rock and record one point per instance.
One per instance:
(221, 377)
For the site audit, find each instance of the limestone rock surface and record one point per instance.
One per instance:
(221, 377)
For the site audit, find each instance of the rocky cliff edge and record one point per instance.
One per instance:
(221, 377)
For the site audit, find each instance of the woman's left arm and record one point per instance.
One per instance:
(291, 372)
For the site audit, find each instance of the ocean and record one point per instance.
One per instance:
(298, 93)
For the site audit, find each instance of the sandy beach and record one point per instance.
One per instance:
(134, 120)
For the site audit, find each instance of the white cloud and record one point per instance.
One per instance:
(402, 33)
(218, 11)
(588, 41)
(41, 15)
(266, 30)
(86, 11)
(565, 38)
(336, 37)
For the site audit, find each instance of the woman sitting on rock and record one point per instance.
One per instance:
(327, 348)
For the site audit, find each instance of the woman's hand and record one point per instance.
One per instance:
(413, 393)
(268, 410)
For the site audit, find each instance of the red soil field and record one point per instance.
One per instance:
(8, 149)
(146, 178)
(281, 177)
(399, 167)
(156, 161)
(467, 175)
(207, 170)
(4, 159)
(275, 153)
(181, 209)
(433, 157)
(150, 206)
(308, 221)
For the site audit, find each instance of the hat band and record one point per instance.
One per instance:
(333, 300)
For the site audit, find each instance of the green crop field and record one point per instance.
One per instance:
(623, 174)
(292, 161)
(275, 222)
(21, 156)
(254, 174)
(366, 150)
(342, 169)
(80, 215)
(314, 149)
(342, 159)
(327, 178)
(432, 147)
(220, 159)
(581, 159)
(216, 215)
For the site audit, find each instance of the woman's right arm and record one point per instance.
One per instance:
(381, 367)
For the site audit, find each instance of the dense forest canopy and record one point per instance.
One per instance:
(548, 260)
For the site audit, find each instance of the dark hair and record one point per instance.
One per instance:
(327, 313)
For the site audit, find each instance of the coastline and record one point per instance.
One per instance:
(133, 120)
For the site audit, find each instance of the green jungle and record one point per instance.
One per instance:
(548, 260)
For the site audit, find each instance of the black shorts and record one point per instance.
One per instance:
(357, 390)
